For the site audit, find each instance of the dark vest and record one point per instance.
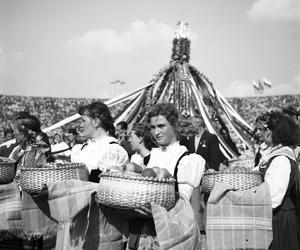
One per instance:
(289, 200)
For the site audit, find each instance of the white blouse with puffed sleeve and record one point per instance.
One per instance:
(190, 168)
(102, 153)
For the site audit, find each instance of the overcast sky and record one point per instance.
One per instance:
(76, 48)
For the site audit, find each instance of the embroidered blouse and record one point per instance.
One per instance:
(102, 153)
(190, 168)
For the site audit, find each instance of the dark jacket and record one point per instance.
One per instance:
(208, 148)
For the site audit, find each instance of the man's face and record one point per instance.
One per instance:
(71, 137)
(197, 124)
(162, 130)
(9, 136)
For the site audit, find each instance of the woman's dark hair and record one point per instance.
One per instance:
(284, 129)
(123, 125)
(167, 110)
(99, 110)
(28, 122)
(142, 130)
(290, 110)
(263, 118)
(21, 114)
(30, 126)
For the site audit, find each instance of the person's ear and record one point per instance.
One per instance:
(97, 122)
(140, 140)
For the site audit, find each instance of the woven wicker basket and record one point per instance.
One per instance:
(130, 191)
(238, 178)
(7, 170)
(32, 180)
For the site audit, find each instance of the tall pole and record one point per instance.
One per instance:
(117, 87)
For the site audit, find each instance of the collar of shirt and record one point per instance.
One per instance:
(169, 147)
(102, 139)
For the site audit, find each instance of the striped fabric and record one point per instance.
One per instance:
(21, 218)
(10, 207)
(33, 219)
(85, 225)
(69, 204)
(177, 228)
(239, 219)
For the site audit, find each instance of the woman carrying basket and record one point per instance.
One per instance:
(187, 171)
(101, 152)
(279, 169)
(186, 168)
(33, 150)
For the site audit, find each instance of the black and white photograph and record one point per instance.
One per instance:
(149, 125)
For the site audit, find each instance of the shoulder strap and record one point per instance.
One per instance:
(112, 142)
(176, 170)
(83, 145)
(61, 151)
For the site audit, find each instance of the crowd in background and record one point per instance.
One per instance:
(251, 107)
(50, 110)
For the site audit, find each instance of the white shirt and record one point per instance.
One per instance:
(190, 168)
(197, 140)
(61, 146)
(138, 159)
(99, 153)
(278, 176)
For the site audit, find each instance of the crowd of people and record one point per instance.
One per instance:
(50, 110)
(251, 107)
(156, 144)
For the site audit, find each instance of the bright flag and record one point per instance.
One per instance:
(255, 85)
(258, 85)
(267, 82)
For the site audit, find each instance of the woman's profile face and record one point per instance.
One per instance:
(134, 140)
(57, 138)
(267, 136)
(161, 129)
(87, 126)
(20, 137)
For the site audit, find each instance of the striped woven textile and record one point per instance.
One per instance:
(176, 228)
(69, 204)
(239, 219)
(33, 219)
(20, 219)
(10, 207)
(83, 224)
